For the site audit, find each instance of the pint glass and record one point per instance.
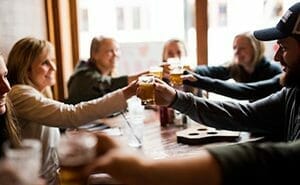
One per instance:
(146, 89)
(176, 72)
(74, 151)
(175, 78)
(25, 160)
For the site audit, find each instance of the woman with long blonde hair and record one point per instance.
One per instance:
(248, 64)
(31, 65)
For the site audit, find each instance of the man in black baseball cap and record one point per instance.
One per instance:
(287, 34)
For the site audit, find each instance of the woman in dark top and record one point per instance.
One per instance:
(248, 64)
(8, 124)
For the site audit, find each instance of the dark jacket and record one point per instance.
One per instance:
(260, 164)
(211, 78)
(3, 134)
(263, 70)
(88, 83)
(276, 115)
(243, 91)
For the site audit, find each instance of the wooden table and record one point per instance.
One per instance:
(160, 142)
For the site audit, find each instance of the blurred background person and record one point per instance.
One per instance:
(31, 65)
(173, 48)
(248, 64)
(95, 77)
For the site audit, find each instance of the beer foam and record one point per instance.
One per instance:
(77, 149)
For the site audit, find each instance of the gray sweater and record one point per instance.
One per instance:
(275, 115)
(253, 163)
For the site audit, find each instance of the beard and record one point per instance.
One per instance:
(290, 78)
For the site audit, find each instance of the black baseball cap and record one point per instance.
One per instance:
(289, 25)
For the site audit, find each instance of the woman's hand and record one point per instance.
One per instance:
(130, 89)
(166, 70)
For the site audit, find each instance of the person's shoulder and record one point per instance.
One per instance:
(276, 66)
(85, 67)
(22, 88)
(83, 64)
(21, 92)
(271, 64)
(293, 90)
(288, 92)
(266, 61)
(19, 87)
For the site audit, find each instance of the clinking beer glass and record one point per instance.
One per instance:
(146, 89)
(75, 150)
(175, 74)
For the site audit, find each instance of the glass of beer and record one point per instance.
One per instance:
(175, 74)
(75, 150)
(146, 89)
(156, 71)
(25, 159)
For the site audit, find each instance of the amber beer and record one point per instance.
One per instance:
(175, 78)
(176, 70)
(146, 89)
(75, 150)
(71, 175)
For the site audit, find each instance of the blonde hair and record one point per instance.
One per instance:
(12, 125)
(11, 122)
(21, 57)
(236, 71)
(258, 46)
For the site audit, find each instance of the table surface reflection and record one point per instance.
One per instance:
(160, 142)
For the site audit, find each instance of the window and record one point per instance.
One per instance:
(140, 26)
(230, 17)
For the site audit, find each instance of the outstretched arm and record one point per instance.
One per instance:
(129, 167)
(242, 91)
(247, 163)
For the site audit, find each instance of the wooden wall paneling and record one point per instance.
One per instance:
(54, 37)
(74, 31)
(202, 29)
(62, 21)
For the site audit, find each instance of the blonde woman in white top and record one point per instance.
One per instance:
(31, 66)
